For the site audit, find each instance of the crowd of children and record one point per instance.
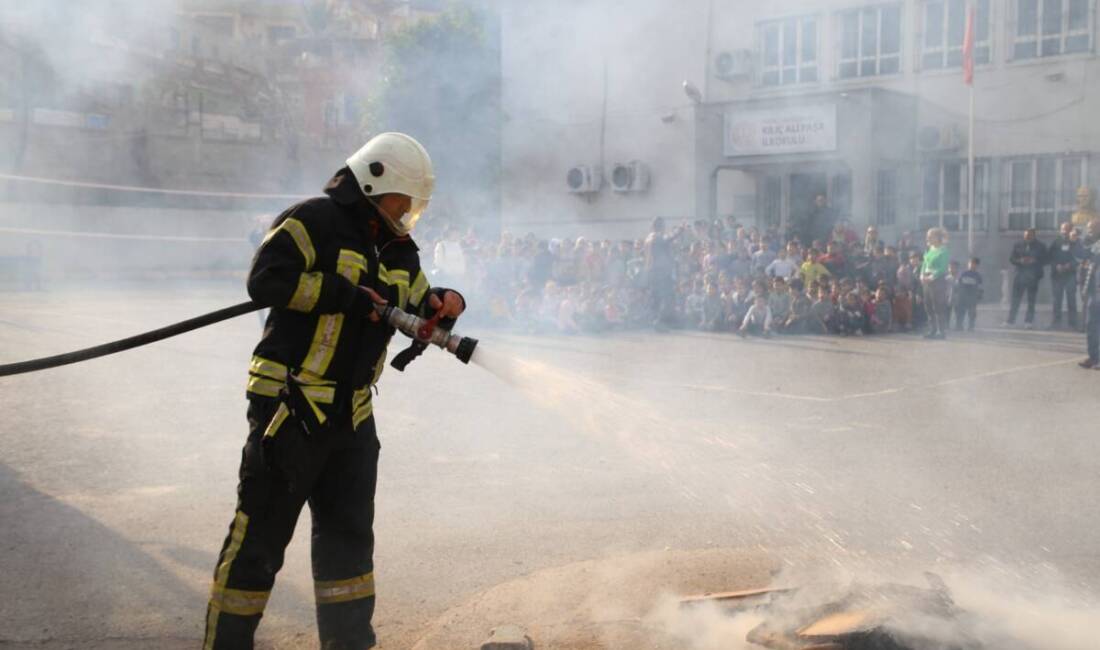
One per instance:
(724, 278)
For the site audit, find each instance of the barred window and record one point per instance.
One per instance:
(944, 200)
(788, 51)
(1051, 28)
(870, 41)
(1041, 192)
(886, 197)
(944, 30)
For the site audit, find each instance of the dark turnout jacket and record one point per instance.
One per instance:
(310, 269)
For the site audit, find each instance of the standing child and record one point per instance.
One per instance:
(968, 295)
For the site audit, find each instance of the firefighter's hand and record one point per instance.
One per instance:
(451, 306)
(376, 299)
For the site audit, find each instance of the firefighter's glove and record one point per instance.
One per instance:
(450, 303)
(363, 303)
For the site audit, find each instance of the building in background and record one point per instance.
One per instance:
(258, 96)
(862, 102)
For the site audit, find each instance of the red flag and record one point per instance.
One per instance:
(968, 48)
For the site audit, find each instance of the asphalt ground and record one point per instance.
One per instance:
(117, 476)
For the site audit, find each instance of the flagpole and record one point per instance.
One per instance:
(968, 76)
(970, 178)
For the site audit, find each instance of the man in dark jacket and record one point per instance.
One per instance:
(321, 269)
(1028, 256)
(1064, 255)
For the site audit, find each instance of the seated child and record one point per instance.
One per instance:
(758, 320)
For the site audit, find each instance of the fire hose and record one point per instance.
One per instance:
(421, 330)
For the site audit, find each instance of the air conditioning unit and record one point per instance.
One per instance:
(583, 179)
(734, 64)
(939, 138)
(630, 176)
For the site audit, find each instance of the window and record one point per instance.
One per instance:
(773, 199)
(870, 41)
(886, 197)
(1041, 192)
(944, 30)
(788, 51)
(944, 195)
(1051, 28)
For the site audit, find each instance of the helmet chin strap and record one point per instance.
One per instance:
(386, 217)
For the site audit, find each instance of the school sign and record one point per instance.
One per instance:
(783, 130)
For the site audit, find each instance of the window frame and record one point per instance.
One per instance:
(1065, 201)
(887, 203)
(945, 50)
(800, 66)
(1014, 38)
(859, 59)
(983, 169)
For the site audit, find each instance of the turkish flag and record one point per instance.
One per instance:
(968, 48)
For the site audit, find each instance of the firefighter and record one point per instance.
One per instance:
(321, 269)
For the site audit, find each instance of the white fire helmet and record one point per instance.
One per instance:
(395, 163)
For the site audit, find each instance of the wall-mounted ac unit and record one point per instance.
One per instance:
(630, 176)
(583, 179)
(734, 64)
(939, 138)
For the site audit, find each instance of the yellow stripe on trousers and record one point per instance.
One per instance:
(221, 575)
(328, 592)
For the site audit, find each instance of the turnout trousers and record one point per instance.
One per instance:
(282, 469)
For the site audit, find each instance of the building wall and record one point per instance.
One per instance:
(554, 60)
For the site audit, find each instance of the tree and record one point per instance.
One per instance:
(442, 86)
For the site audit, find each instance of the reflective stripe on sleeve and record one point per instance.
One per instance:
(350, 265)
(264, 386)
(266, 368)
(300, 235)
(418, 289)
(308, 292)
(328, 592)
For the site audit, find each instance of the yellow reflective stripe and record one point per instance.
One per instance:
(300, 235)
(264, 386)
(238, 601)
(361, 406)
(280, 416)
(266, 368)
(340, 591)
(308, 292)
(320, 394)
(418, 289)
(221, 575)
(324, 343)
(349, 264)
(398, 278)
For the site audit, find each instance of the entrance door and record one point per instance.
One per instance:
(805, 188)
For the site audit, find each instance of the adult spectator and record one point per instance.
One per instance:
(1028, 256)
(871, 242)
(821, 221)
(933, 277)
(782, 267)
(1063, 275)
(1090, 292)
(1085, 213)
(450, 259)
(542, 267)
(659, 272)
